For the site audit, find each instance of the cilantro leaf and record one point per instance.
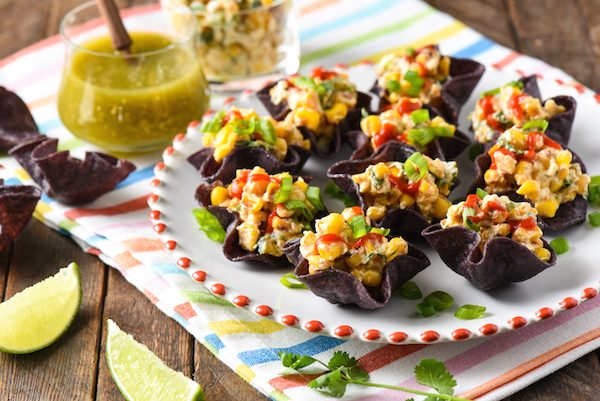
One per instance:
(341, 359)
(331, 383)
(357, 373)
(295, 361)
(433, 373)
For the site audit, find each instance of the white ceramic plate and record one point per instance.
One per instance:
(257, 288)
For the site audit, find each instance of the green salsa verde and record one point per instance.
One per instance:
(132, 103)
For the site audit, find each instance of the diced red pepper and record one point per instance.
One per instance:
(472, 201)
(515, 105)
(232, 115)
(387, 133)
(323, 74)
(406, 106)
(375, 237)
(529, 223)
(549, 142)
(493, 205)
(270, 221)
(406, 187)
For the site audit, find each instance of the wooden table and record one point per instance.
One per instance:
(565, 33)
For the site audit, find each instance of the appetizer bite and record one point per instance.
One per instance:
(16, 122)
(324, 105)
(67, 179)
(239, 138)
(261, 213)
(491, 241)
(409, 123)
(17, 203)
(398, 188)
(347, 261)
(444, 83)
(527, 165)
(516, 103)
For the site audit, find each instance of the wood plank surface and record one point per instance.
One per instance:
(565, 33)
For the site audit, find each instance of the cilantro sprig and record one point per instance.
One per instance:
(342, 370)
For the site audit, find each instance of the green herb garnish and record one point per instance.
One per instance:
(215, 124)
(392, 86)
(267, 131)
(304, 82)
(594, 219)
(296, 284)
(426, 310)
(594, 190)
(336, 193)
(440, 300)
(342, 370)
(285, 190)
(536, 125)
(314, 197)
(416, 83)
(420, 116)
(422, 136)
(416, 167)
(359, 226)
(379, 230)
(410, 290)
(468, 212)
(469, 312)
(496, 91)
(209, 224)
(300, 206)
(560, 245)
(410, 51)
(481, 193)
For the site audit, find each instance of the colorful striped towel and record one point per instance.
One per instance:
(116, 226)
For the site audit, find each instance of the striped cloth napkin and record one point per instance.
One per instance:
(117, 229)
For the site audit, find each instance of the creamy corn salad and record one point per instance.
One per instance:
(319, 101)
(244, 127)
(239, 38)
(347, 242)
(497, 216)
(387, 185)
(406, 122)
(418, 73)
(536, 167)
(273, 209)
(508, 106)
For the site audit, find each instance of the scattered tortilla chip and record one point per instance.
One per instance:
(247, 157)
(503, 260)
(17, 203)
(464, 76)
(16, 122)
(567, 215)
(340, 287)
(68, 179)
(351, 122)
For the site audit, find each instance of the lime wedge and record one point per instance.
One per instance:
(142, 376)
(37, 316)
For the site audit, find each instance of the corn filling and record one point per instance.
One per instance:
(319, 101)
(405, 122)
(335, 245)
(508, 106)
(498, 216)
(537, 168)
(243, 127)
(418, 73)
(266, 226)
(386, 185)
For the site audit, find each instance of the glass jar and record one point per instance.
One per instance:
(242, 40)
(135, 101)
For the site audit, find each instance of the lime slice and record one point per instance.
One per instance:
(142, 376)
(37, 316)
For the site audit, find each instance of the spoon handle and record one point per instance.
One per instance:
(118, 34)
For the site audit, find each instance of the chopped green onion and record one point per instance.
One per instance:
(380, 230)
(594, 190)
(298, 205)
(475, 150)
(416, 82)
(594, 219)
(244, 127)
(215, 124)
(267, 131)
(491, 92)
(410, 290)
(440, 300)
(426, 310)
(285, 189)
(410, 51)
(419, 116)
(359, 226)
(536, 125)
(314, 196)
(481, 193)
(209, 224)
(560, 245)
(470, 312)
(392, 86)
(304, 82)
(336, 193)
(364, 113)
(468, 212)
(422, 136)
(296, 285)
(415, 167)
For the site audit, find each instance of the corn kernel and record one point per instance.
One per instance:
(521, 167)
(562, 173)
(519, 139)
(218, 195)
(354, 260)
(440, 207)
(369, 278)
(547, 208)
(308, 117)
(424, 187)
(564, 158)
(543, 253)
(300, 184)
(337, 113)
(375, 213)
(555, 186)
(333, 223)
(332, 251)
(529, 187)
(489, 176)
(208, 139)
(222, 151)
(380, 170)
(370, 125)
(396, 246)
(406, 201)
(281, 147)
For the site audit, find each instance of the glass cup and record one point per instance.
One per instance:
(241, 43)
(135, 101)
